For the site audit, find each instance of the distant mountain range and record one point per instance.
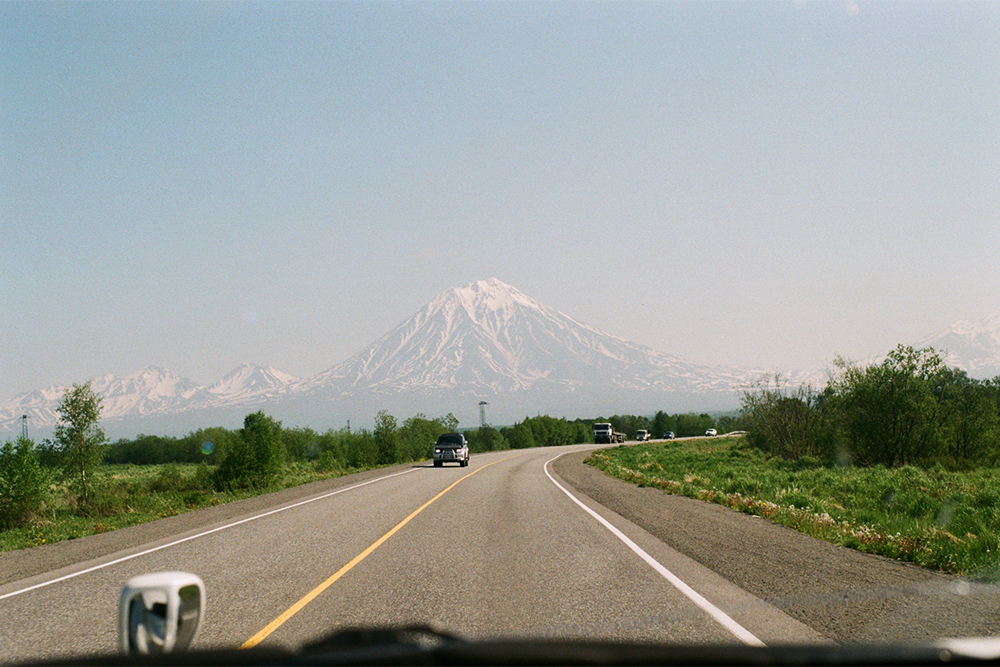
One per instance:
(972, 345)
(486, 341)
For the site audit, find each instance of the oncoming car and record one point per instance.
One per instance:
(451, 447)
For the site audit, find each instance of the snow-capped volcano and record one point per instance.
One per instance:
(488, 337)
(485, 341)
(972, 345)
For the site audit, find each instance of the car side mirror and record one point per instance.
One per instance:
(160, 612)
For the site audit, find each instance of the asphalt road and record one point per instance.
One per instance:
(519, 544)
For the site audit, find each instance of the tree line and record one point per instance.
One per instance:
(909, 409)
(257, 455)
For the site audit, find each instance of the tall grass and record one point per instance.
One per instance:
(127, 495)
(934, 518)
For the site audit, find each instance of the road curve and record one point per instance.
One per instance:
(528, 543)
(520, 543)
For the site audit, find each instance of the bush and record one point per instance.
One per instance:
(386, 441)
(169, 479)
(781, 421)
(23, 483)
(256, 458)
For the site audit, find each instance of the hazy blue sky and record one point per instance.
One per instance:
(195, 185)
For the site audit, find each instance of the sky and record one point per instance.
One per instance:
(196, 185)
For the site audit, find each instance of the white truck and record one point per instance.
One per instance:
(605, 435)
(642, 435)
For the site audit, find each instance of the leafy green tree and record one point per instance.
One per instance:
(449, 423)
(301, 444)
(891, 413)
(209, 445)
(23, 483)
(417, 435)
(386, 441)
(485, 439)
(519, 436)
(971, 417)
(691, 424)
(257, 457)
(344, 449)
(661, 424)
(550, 432)
(77, 435)
(362, 449)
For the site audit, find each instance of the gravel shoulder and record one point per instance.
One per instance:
(846, 595)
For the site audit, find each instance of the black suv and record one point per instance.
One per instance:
(451, 447)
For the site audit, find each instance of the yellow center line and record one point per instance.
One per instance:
(311, 595)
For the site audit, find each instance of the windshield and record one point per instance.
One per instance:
(259, 256)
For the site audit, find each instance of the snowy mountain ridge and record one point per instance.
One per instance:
(485, 341)
(250, 381)
(152, 391)
(972, 345)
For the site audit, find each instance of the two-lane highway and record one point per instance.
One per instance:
(502, 548)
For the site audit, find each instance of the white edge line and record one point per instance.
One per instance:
(194, 537)
(724, 619)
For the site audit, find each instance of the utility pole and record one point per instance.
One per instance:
(482, 414)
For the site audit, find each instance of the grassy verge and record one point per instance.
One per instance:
(127, 495)
(934, 518)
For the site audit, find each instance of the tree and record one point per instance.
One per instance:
(77, 435)
(890, 410)
(661, 424)
(485, 439)
(385, 438)
(781, 421)
(257, 456)
(970, 415)
(23, 483)
(520, 436)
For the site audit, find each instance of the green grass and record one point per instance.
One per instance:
(934, 518)
(128, 495)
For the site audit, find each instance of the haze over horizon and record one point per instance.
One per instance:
(754, 184)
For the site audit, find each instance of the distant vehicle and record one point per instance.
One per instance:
(605, 435)
(711, 433)
(669, 435)
(642, 435)
(451, 447)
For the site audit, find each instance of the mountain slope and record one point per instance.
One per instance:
(153, 392)
(250, 382)
(972, 345)
(488, 337)
(150, 391)
(486, 341)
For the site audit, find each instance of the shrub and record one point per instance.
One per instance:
(256, 458)
(386, 441)
(23, 483)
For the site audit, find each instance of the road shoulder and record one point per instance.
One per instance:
(23, 564)
(846, 595)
